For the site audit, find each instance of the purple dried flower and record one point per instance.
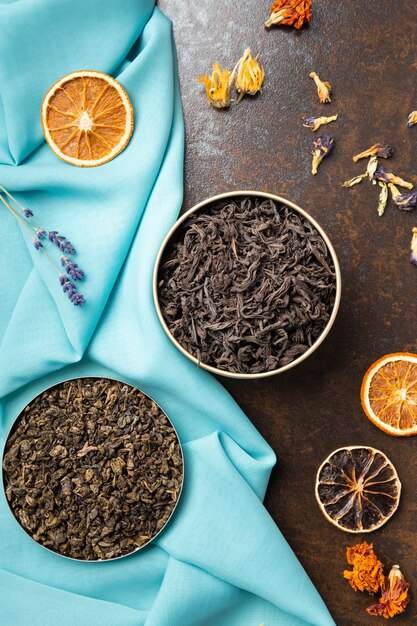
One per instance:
(321, 148)
(37, 244)
(387, 175)
(72, 269)
(41, 233)
(27, 213)
(315, 122)
(406, 202)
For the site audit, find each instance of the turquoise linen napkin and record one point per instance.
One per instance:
(221, 561)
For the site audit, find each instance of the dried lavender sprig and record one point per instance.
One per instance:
(26, 212)
(61, 242)
(70, 289)
(72, 268)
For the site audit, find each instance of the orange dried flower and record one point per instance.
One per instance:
(367, 573)
(395, 595)
(289, 13)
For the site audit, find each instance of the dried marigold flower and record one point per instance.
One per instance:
(315, 122)
(395, 595)
(249, 75)
(367, 573)
(378, 150)
(387, 175)
(323, 88)
(403, 201)
(412, 119)
(413, 248)
(289, 13)
(218, 86)
(321, 148)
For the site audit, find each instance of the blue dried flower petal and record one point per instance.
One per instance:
(27, 213)
(322, 146)
(387, 175)
(309, 122)
(37, 244)
(41, 233)
(315, 122)
(405, 201)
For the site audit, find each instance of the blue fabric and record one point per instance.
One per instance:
(221, 561)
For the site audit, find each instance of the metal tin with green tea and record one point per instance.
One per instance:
(92, 469)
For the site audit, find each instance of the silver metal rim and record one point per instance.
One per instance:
(115, 558)
(295, 207)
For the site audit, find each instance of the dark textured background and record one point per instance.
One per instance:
(368, 51)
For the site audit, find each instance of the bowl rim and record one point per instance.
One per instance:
(14, 423)
(297, 209)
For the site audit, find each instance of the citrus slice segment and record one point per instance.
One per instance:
(357, 489)
(389, 394)
(87, 118)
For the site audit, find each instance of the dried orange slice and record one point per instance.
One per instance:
(87, 118)
(357, 489)
(389, 394)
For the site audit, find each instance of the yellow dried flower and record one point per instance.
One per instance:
(412, 119)
(218, 86)
(249, 75)
(367, 573)
(395, 595)
(323, 88)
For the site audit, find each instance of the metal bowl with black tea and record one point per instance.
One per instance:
(247, 284)
(92, 469)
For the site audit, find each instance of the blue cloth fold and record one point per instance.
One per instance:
(221, 560)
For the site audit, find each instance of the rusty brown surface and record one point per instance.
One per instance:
(367, 51)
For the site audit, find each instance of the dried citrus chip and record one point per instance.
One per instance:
(87, 118)
(389, 394)
(357, 489)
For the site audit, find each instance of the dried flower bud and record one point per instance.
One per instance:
(413, 249)
(378, 150)
(322, 146)
(315, 122)
(249, 75)
(289, 13)
(412, 119)
(403, 201)
(371, 168)
(383, 198)
(323, 88)
(355, 180)
(218, 86)
(387, 175)
(395, 595)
